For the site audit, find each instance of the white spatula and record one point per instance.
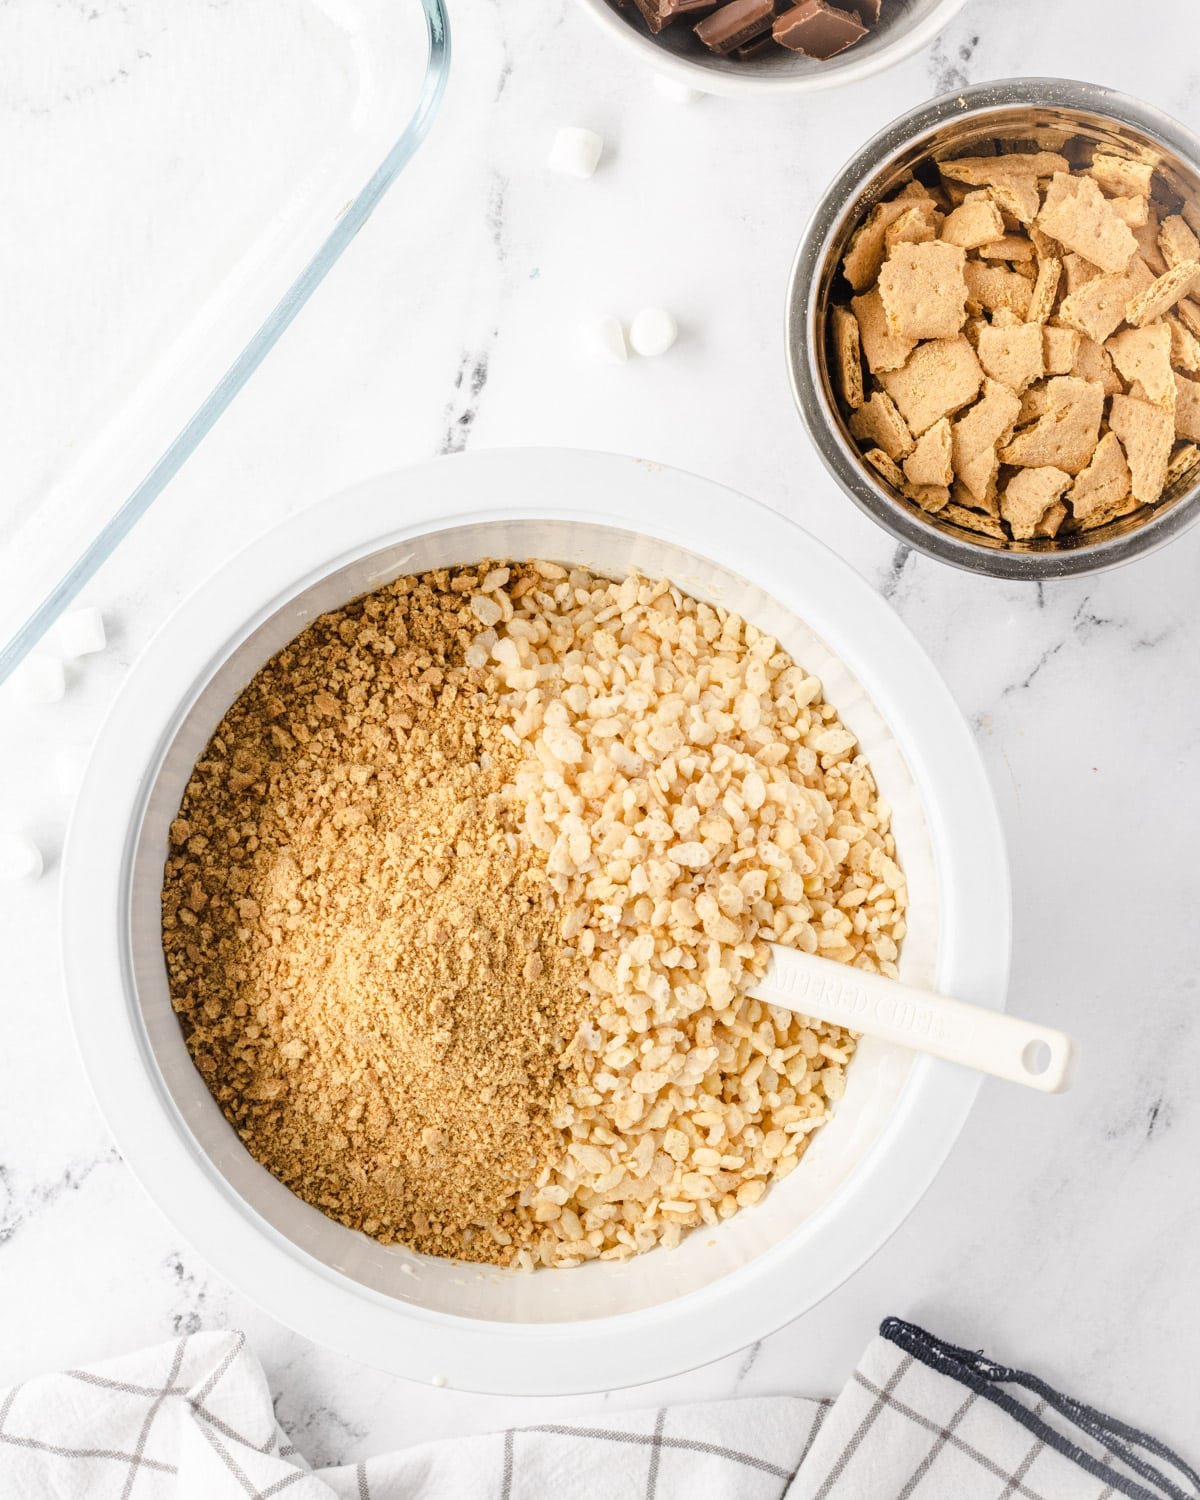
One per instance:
(988, 1041)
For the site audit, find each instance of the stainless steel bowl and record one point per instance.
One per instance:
(1012, 111)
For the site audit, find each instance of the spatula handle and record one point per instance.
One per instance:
(986, 1040)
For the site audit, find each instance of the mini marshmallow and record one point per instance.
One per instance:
(575, 152)
(20, 858)
(69, 766)
(81, 632)
(41, 678)
(653, 331)
(440, 1381)
(606, 339)
(676, 92)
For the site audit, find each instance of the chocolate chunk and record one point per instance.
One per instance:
(735, 24)
(655, 14)
(868, 11)
(817, 29)
(763, 43)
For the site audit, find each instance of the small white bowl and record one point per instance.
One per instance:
(903, 28)
(600, 1325)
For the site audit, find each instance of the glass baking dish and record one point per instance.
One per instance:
(188, 174)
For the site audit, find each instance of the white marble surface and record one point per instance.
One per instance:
(1061, 1232)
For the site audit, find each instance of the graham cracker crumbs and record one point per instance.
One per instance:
(363, 952)
(1066, 279)
(468, 893)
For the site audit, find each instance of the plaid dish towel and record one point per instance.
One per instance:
(193, 1420)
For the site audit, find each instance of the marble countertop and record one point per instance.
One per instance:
(1058, 1233)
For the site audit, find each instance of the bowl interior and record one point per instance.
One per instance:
(897, 19)
(978, 132)
(876, 1081)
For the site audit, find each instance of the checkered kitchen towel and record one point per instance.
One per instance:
(193, 1420)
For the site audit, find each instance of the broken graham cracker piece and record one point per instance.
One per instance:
(1147, 434)
(1162, 294)
(1132, 211)
(1013, 356)
(1148, 246)
(1009, 247)
(1097, 309)
(996, 287)
(885, 467)
(878, 422)
(915, 226)
(923, 290)
(864, 256)
(1188, 313)
(1060, 349)
(1035, 402)
(984, 171)
(1144, 354)
(1183, 462)
(932, 498)
(972, 520)
(847, 357)
(882, 349)
(930, 461)
(939, 378)
(1065, 436)
(1185, 346)
(1018, 197)
(1045, 246)
(1078, 271)
(1045, 289)
(1079, 216)
(1119, 176)
(1051, 522)
(1177, 242)
(975, 222)
(1028, 496)
(1187, 408)
(1093, 362)
(1109, 513)
(976, 437)
(814, 28)
(1104, 483)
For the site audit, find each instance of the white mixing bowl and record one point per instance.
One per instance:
(599, 1325)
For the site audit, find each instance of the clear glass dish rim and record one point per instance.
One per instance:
(139, 500)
